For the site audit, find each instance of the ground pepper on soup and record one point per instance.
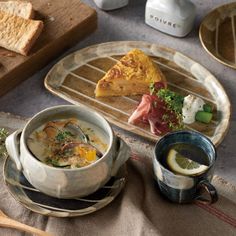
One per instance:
(67, 143)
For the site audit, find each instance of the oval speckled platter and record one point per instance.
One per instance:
(218, 34)
(74, 79)
(43, 204)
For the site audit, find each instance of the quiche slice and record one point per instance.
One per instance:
(131, 75)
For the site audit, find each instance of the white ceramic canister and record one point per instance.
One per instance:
(174, 17)
(111, 4)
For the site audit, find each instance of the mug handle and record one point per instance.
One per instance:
(205, 187)
(13, 147)
(122, 154)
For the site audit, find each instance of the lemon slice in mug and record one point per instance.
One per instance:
(182, 165)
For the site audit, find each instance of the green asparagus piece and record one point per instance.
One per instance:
(204, 117)
(207, 108)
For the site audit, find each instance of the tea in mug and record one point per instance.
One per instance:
(185, 159)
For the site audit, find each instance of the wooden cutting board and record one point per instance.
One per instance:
(65, 23)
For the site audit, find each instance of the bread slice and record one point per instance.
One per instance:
(18, 8)
(18, 34)
(132, 75)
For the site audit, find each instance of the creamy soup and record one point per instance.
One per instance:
(68, 143)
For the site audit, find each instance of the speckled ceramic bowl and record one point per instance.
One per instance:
(180, 188)
(67, 183)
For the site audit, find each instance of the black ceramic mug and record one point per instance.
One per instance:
(181, 188)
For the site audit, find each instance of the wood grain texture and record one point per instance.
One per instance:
(218, 34)
(74, 79)
(65, 24)
(5, 221)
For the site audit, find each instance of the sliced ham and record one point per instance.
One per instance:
(142, 110)
(154, 111)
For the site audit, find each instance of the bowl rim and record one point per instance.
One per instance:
(61, 107)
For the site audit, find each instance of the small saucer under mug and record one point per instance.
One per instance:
(38, 202)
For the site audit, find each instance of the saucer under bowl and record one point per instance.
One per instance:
(38, 202)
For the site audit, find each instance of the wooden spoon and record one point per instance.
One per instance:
(5, 221)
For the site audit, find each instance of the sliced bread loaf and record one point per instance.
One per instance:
(19, 8)
(18, 34)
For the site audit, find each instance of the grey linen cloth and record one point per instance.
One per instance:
(139, 210)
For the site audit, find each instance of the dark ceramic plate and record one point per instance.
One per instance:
(38, 202)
